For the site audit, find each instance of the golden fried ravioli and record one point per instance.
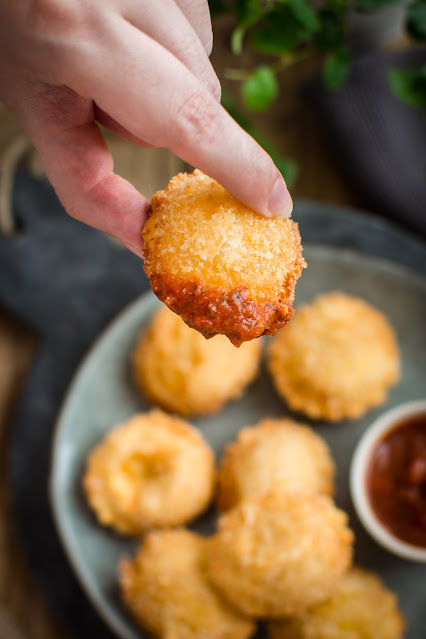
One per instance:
(279, 553)
(219, 265)
(275, 453)
(337, 358)
(175, 367)
(360, 608)
(165, 588)
(152, 471)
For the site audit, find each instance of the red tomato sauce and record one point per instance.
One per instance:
(396, 480)
(231, 313)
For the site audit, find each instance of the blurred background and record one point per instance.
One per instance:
(335, 92)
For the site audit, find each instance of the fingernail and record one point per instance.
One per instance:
(280, 203)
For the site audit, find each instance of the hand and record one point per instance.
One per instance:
(141, 68)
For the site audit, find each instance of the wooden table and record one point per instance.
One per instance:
(298, 133)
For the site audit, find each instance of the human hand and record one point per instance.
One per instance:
(140, 68)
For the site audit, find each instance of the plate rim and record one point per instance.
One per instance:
(54, 496)
(110, 618)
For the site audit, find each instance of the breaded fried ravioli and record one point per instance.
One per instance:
(279, 553)
(276, 453)
(176, 368)
(219, 265)
(152, 471)
(338, 358)
(360, 608)
(165, 588)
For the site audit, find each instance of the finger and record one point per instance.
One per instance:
(111, 124)
(198, 15)
(154, 19)
(80, 166)
(167, 106)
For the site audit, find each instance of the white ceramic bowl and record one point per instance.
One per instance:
(358, 471)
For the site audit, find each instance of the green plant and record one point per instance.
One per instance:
(291, 30)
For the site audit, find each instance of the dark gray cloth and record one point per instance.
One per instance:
(379, 140)
(68, 280)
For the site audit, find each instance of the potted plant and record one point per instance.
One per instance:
(287, 31)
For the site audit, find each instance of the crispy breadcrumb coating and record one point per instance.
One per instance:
(219, 265)
(337, 358)
(360, 608)
(279, 553)
(152, 471)
(276, 453)
(176, 368)
(165, 588)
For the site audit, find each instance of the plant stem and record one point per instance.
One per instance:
(236, 74)
(291, 58)
(284, 61)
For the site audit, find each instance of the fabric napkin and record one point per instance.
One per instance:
(380, 141)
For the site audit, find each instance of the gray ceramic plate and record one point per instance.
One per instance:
(102, 395)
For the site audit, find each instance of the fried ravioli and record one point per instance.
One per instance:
(279, 553)
(337, 359)
(274, 453)
(360, 608)
(152, 471)
(219, 265)
(176, 368)
(165, 588)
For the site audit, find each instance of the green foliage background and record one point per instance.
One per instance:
(290, 30)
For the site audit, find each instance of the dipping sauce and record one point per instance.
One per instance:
(396, 480)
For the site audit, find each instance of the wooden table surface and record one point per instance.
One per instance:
(296, 132)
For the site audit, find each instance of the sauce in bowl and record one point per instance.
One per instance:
(388, 480)
(396, 480)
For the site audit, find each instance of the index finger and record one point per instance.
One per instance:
(198, 15)
(159, 100)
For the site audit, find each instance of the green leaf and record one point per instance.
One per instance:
(409, 85)
(337, 5)
(416, 19)
(336, 68)
(260, 89)
(304, 13)
(248, 11)
(278, 32)
(237, 40)
(330, 35)
(370, 6)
